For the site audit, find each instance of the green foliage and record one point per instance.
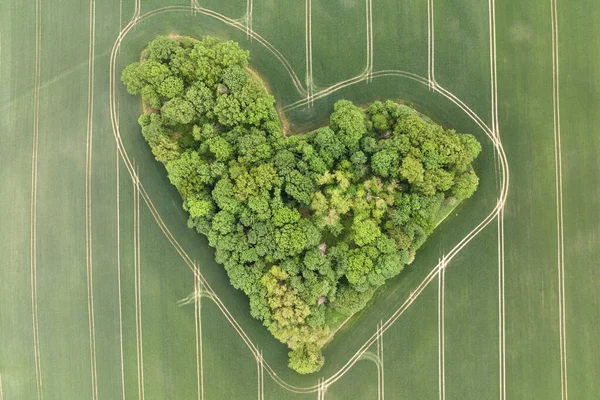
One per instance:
(234, 78)
(349, 122)
(306, 359)
(161, 49)
(307, 227)
(171, 87)
(465, 185)
(133, 79)
(178, 112)
(365, 231)
(385, 163)
(350, 301)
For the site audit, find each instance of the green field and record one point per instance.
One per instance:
(99, 271)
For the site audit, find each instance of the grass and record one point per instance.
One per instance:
(333, 63)
(411, 350)
(528, 340)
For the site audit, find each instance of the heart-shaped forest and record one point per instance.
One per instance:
(307, 226)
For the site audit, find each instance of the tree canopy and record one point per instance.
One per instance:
(307, 225)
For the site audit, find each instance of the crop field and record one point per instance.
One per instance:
(106, 294)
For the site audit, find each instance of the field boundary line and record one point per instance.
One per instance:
(198, 325)
(33, 204)
(382, 358)
(249, 5)
(257, 377)
(1, 390)
(501, 265)
(88, 200)
(432, 71)
(441, 329)
(369, 355)
(371, 36)
(310, 88)
(486, 221)
(135, 288)
(369, 26)
(139, 282)
(380, 365)
(564, 388)
(501, 318)
(492, 33)
(138, 288)
(429, 44)
(119, 276)
(137, 10)
(200, 336)
(322, 388)
(260, 376)
(433, 46)
(308, 51)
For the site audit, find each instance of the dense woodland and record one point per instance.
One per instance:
(307, 226)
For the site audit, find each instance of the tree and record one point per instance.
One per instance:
(133, 78)
(223, 222)
(224, 196)
(350, 301)
(265, 176)
(151, 96)
(153, 128)
(166, 149)
(380, 122)
(359, 266)
(234, 78)
(285, 215)
(201, 97)
(199, 207)
(306, 359)
(257, 104)
(254, 148)
(178, 111)
(182, 65)
(182, 173)
(161, 49)
(349, 122)
(154, 72)
(220, 148)
(171, 87)
(365, 231)
(392, 264)
(328, 144)
(412, 170)
(291, 240)
(228, 110)
(385, 163)
(299, 186)
(465, 185)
